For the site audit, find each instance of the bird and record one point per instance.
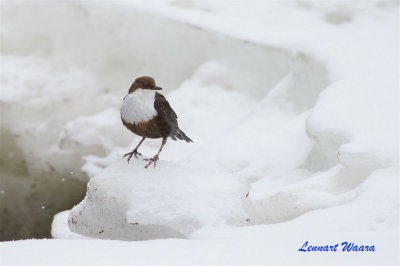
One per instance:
(147, 113)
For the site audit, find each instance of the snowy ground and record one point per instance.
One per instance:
(292, 106)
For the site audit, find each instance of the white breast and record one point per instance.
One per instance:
(138, 106)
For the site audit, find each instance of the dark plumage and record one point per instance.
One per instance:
(148, 114)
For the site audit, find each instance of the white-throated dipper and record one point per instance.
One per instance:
(148, 114)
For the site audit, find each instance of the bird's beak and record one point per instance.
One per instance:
(157, 88)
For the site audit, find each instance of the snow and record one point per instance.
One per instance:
(253, 247)
(373, 134)
(84, 131)
(59, 227)
(144, 207)
(292, 106)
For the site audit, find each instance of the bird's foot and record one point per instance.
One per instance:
(151, 160)
(129, 154)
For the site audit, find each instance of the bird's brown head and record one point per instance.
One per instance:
(146, 83)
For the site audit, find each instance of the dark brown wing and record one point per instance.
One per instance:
(164, 109)
(168, 123)
(166, 114)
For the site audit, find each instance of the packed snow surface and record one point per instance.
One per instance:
(292, 107)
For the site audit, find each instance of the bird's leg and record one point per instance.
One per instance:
(134, 152)
(155, 158)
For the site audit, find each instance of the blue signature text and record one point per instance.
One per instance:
(344, 247)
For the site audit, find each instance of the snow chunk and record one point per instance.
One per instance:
(60, 229)
(128, 202)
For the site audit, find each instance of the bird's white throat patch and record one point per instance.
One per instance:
(138, 106)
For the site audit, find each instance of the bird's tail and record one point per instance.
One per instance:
(182, 136)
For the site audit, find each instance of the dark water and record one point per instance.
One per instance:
(29, 203)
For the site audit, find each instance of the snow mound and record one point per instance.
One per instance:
(129, 202)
